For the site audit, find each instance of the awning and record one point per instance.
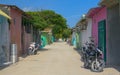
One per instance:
(4, 14)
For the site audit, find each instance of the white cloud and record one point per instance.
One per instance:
(27, 9)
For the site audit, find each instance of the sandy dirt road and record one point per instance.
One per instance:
(56, 59)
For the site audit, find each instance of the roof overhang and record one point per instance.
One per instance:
(108, 3)
(4, 14)
(93, 11)
(12, 6)
(18, 9)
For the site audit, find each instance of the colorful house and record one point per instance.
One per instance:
(18, 30)
(83, 28)
(78, 37)
(99, 27)
(89, 29)
(46, 37)
(113, 30)
(15, 26)
(73, 40)
(4, 37)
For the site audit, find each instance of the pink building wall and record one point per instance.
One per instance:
(97, 17)
(15, 28)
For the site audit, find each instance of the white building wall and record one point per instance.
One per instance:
(85, 34)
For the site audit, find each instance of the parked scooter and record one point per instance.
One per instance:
(32, 50)
(92, 57)
(98, 63)
(83, 52)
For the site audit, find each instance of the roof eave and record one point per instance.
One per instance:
(4, 14)
(108, 3)
(93, 11)
(13, 6)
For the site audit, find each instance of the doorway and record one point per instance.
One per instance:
(102, 37)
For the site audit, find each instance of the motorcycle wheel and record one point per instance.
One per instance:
(97, 66)
(86, 65)
(35, 52)
(29, 52)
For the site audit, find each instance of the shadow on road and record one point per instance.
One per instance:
(78, 50)
(43, 49)
(117, 67)
(3, 67)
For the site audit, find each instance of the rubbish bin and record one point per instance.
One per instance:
(14, 56)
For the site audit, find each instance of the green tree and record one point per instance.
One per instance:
(37, 21)
(66, 33)
(49, 19)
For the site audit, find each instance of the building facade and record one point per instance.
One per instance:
(113, 21)
(99, 27)
(4, 37)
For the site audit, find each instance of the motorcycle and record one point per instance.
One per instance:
(93, 58)
(98, 63)
(32, 50)
(83, 52)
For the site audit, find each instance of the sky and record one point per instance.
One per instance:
(72, 10)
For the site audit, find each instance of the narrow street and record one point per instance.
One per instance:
(56, 59)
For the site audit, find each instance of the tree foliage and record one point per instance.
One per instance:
(37, 21)
(66, 33)
(49, 19)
